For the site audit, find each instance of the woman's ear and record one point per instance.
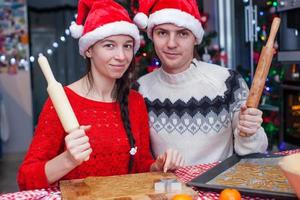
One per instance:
(88, 53)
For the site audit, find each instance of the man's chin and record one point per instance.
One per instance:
(170, 61)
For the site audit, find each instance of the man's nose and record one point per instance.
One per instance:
(172, 43)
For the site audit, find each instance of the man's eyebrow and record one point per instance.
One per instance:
(112, 41)
(178, 30)
(183, 29)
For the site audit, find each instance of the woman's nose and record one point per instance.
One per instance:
(120, 54)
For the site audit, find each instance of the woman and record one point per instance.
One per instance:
(114, 134)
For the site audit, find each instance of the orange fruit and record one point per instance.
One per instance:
(230, 194)
(182, 197)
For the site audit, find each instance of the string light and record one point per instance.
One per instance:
(49, 51)
(62, 38)
(55, 44)
(12, 61)
(24, 63)
(2, 58)
(31, 58)
(67, 32)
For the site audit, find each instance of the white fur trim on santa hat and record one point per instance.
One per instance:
(141, 20)
(114, 28)
(177, 17)
(76, 30)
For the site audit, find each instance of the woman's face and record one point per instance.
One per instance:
(111, 57)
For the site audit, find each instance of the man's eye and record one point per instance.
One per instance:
(184, 34)
(161, 33)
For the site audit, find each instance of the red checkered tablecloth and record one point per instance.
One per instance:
(185, 174)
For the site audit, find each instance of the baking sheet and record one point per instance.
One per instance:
(254, 175)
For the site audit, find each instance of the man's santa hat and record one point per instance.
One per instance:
(98, 19)
(183, 13)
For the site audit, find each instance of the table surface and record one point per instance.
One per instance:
(185, 174)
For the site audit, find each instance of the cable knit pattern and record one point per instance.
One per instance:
(107, 137)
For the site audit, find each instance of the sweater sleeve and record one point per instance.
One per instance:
(47, 142)
(256, 143)
(145, 157)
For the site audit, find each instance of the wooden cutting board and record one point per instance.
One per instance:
(124, 187)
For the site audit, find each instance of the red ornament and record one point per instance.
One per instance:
(151, 68)
(204, 18)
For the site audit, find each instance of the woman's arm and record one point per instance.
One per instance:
(78, 151)
(47, 160)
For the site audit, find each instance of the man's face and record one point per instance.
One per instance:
(174, 46)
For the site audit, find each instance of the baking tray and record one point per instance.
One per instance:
(252, 175)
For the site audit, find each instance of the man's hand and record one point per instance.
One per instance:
(250, 120)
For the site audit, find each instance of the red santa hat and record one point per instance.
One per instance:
(183, 13)
(98, 19)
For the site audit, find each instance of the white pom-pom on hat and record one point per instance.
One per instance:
(76, 30)
(141, 20)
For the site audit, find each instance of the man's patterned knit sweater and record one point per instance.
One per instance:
(196, 112)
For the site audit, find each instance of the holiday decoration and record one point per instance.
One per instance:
(14, 45)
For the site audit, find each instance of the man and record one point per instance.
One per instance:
(194, 107)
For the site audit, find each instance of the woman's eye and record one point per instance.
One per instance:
(128, 46)
(109, 45)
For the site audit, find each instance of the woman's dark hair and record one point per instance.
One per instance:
(121, 93)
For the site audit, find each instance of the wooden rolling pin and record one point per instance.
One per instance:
(263, 67)
(58, 97)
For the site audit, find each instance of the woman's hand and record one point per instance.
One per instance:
(78, 146)
(250, 120)
(170, 160)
